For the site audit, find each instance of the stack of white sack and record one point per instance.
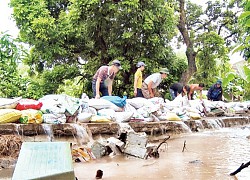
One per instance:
(59, 109)
(115, 109)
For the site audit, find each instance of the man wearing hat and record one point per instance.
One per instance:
(215, 92)
(103, 79)
(151, 82)
(138, 79)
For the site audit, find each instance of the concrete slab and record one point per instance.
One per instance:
(44, 161)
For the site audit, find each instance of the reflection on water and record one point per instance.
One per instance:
(209, 155)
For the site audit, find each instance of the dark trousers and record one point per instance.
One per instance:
(103, 89)
(173, 93)
(139, 93)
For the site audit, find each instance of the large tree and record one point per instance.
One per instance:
(88, 34)
(199, 28)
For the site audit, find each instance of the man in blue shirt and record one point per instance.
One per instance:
(215, 92)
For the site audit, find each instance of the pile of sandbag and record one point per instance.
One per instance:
(57, 109)
(105, 109)
(20, 110)
(54, 109)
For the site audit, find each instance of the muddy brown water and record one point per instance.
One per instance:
(209, 155)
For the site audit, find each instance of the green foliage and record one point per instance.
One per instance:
(88, 34)
(233, 81)
(11, 82)
(245, 22)
(211, 58)
(216, 18)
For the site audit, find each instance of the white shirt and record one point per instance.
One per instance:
(155, 78)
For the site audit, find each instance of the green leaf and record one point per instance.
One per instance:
(244, 15)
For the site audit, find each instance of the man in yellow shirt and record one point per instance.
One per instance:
(138, 79)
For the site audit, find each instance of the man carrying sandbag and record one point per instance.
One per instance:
(103, 79)
(151, 82)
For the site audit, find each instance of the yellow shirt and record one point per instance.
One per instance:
(138, 74)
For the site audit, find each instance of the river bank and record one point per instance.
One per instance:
(155, 131)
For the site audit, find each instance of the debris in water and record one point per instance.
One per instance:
(240, 168)
(136, 144)
(196, 162)
(149, 164)
(99, 174)
(154, 152)
(184, 146)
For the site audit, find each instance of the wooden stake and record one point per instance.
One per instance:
(184, 146)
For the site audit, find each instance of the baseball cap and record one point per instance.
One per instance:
(140, 64)
(219, 82)
(117, 63)
(164, 70)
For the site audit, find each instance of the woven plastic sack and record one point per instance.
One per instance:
(6, 103)
(99, 119)
(24, 104)
(172, 117)
(31, 116)
(120, 102)
(9, 115)
(54, 118)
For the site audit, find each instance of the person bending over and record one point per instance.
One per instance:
(103, 79)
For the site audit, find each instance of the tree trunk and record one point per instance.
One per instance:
(190, 53)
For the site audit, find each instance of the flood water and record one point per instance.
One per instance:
(208, 155)
(215, 154)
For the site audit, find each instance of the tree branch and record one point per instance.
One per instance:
(240, 168)
(184, 146)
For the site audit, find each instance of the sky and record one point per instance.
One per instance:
(7, 24)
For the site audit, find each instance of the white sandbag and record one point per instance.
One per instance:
(190, 109)
(136, 102)
(179, 111)
(123, 116)
(144, 112)
(171, 116)
(54, 118)
(103, 104)
(149, 119)
(92, 111)
(129, 108)
(61, 102)
(84, 117)
(180, 101)
(99, 119)
(139, 102)
(7, 103)
(156, 100)
(108, 113)
(196, 104)
(214, 104)
(194, 116)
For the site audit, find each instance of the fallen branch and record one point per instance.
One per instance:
(240, 168)
(154, 152)
(184, 146)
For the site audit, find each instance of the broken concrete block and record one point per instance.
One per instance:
(136, 144)
(115, 145)
(98, 149)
